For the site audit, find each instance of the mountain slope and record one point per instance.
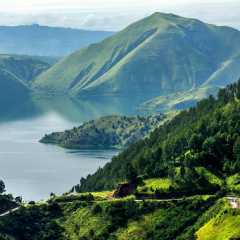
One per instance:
(205, 136)
(46, 41)
(162, 53)
(16, 73)
(180, 100)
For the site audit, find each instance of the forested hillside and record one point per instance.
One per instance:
(109, 131)
(204, 137)
(120, 219)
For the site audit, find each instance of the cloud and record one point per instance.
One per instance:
(119, 17)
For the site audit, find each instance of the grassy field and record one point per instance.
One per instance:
(180, 100)
(225, 225)
(109, 131)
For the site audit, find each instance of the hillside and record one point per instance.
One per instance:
(46, 41)
(48, 59)
(17, 72)
(109, 131)
(92, 218)
(180, 100)
(162, 53)
(204, 136)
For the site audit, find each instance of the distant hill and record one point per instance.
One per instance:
(162, 53)
(180, 100)
(46, 41)
(109, 131)
(16, 73)
(49, 59)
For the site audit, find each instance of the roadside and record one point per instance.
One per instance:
(6, 213)
(234, 202)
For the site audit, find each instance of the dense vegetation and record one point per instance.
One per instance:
(180, 100)
(202, 139)
(17, 73)
(121, 219)
(162, 53)
(109, 131)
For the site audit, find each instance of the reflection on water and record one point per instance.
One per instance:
(32, 169)
(74, 109)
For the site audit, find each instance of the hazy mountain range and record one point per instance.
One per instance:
(46, 41)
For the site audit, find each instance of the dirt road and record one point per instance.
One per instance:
(6, 213)
(233, 203)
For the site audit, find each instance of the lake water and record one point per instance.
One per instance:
(32, 169)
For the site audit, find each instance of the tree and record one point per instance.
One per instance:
(128, 172)
(18, 199)
(52, 195)
(182, 171)
(236, 166)
(167, 151)
(171, 172)
(227, 166)
(238, 89)
(236, 147)
(140, 163)
(2, 187)
(195, 142)
(189, 176)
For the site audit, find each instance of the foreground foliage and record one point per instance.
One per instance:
(120, 219)
(198, 143)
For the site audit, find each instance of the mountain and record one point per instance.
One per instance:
(180, 100)
(46, 41)
(49, 59)
(109, 131)
(16, 73)
(162, 53)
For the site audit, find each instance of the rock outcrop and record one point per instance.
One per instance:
(124, 190)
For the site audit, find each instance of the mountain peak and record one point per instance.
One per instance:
(162, 53)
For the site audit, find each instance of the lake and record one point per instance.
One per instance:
(34, 170)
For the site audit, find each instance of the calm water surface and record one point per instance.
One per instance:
(33, 169)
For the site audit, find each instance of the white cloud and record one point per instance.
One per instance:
(112, 14)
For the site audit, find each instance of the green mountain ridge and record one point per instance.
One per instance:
(180, 100)
(162, 53)
(17, 73)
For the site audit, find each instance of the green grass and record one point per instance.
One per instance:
(226, 225)
(109, 131)
(162, 53)
(17, 73)
(180, 100)
(179, 185)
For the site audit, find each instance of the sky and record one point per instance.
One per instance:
(113, 15)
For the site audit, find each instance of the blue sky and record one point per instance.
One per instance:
(113, 14)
